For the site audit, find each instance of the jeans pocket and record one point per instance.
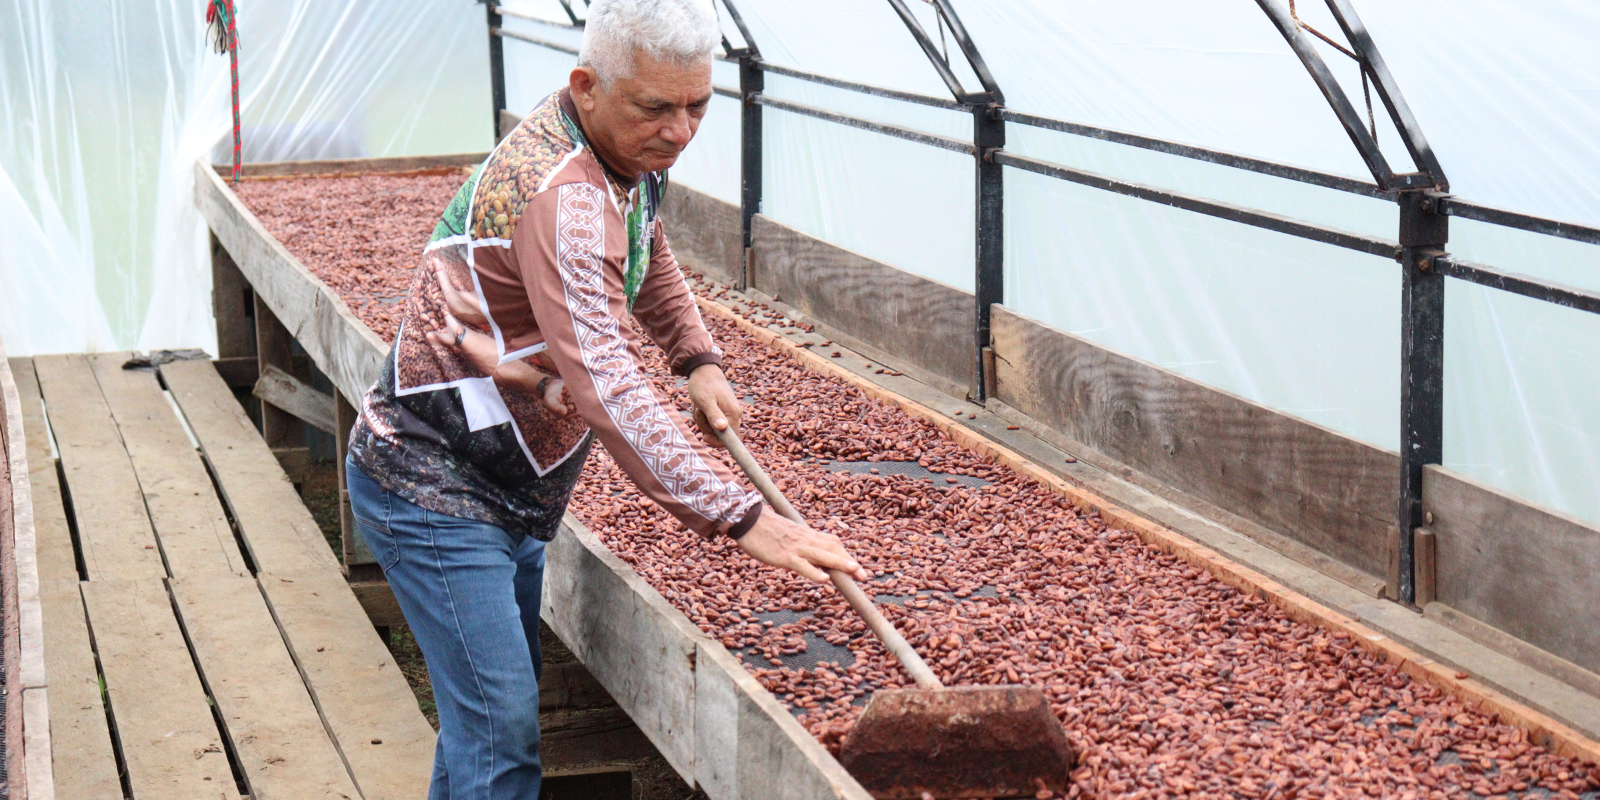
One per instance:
(371, 505)
(380, 540)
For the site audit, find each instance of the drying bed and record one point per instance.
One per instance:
(1169, 682)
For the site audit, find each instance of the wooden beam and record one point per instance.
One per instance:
(27, 703)
(291, 395)
(83, 762)
(355, 549)
(614, 621)
(274, 351)
(114, 533)
(239, 373)
(349, 165)
(231, 306)
(749, 746)
(169, 739)
(358, 689)
(377, 601)
(190, 524)
(918, 320)
(275, 526)
(1427, 578)
(295, 461)
(590, 783)
(1311, 484)
(1530, 571)
(571, 686)
(704, 231)
(348, 352)
(266, 710)
(571, 737)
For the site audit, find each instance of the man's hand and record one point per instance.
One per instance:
(480, 350)
(715, 407)
(799, 548)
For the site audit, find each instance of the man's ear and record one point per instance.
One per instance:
(583, 83)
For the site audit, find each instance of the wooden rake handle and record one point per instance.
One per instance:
(846, 585)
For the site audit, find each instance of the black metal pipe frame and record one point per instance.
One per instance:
(1424, 206)
(1326, 180)
(752, 81)
(523, 37)
(1371, 245)
(1423, 234)
(497, 65)
(896, 131)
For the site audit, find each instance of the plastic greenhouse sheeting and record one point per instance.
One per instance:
(106, 104)
(1505, 93)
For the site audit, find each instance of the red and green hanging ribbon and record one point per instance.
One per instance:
(224, 36)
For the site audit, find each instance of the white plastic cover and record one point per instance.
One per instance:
(106, 104)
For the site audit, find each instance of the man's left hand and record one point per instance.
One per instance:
(715, 406)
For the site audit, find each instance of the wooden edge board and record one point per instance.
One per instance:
(631, 639)
(349, 166)
(54, 552)
(738, 724)
(1546, 731)
(30, 619)
(730, 708)
(346, 350)
(358, 689)
(283, 748)
(28, 703)
(39, 781)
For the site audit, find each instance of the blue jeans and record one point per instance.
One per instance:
(470, 592)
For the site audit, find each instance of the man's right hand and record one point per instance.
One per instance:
(799, 548)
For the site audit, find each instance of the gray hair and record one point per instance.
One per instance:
(682, 31)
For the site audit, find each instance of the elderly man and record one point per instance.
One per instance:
(515, 353)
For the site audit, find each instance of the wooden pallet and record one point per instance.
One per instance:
(184, 576)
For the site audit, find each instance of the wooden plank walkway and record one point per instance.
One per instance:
(201, 639)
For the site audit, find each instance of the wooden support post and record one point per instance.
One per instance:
(273, 349)
(1427, 580)
(233, 306)
(232, 303)
(353, 547)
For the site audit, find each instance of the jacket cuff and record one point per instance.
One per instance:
(697, 360)
(743, 526)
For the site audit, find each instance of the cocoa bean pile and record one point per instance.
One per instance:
(1169, 682)
(361, 234)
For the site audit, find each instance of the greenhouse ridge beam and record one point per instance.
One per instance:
(1424, 207)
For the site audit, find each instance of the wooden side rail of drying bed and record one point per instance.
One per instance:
(709, 716)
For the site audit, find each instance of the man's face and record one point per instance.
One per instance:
(641, 123)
